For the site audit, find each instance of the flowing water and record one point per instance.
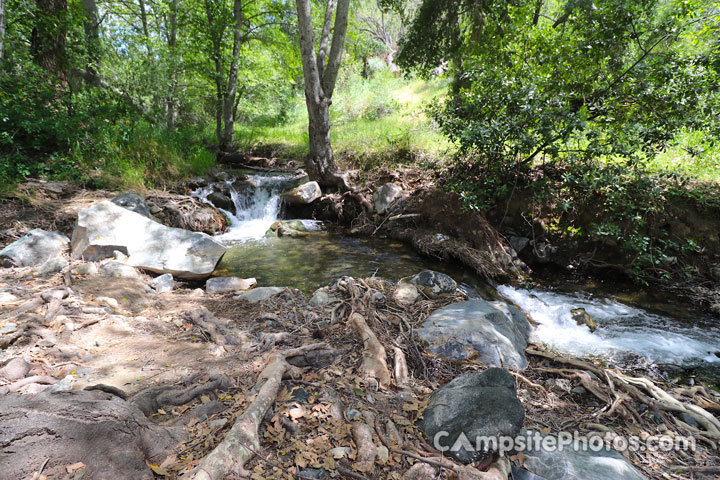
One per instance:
(662, 333)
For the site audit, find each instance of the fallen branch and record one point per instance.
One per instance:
(366, 449)
(401, 369)
(238, 447)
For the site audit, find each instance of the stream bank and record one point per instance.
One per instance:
(213, 346)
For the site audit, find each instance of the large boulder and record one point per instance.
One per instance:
(133, 202)
(434, 284)
(494, 332)
(577, 464)
(303, 194)
(385, 196)
(35, 248)
(106, 227)
(477, 404)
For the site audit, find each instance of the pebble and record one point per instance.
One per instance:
(352, 414)
(383, 454)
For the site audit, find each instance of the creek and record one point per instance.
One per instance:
(629, 328)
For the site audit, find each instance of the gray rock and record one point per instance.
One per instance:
(53, 265)
(494, 331)
(320, 297)
(715, 273)
(572, 464)
(35, 248)
(434, 284)
(544, 252)
(133, 202)
(46, 342)
(522, 474)
(149, 245)
(229, 284)
(385, 196)
(303, 194)
(117, 269)
(221, 176)
(314, 473)
(477, 404)
(259, 294)
(64, 385)
(89, 268)
(220, 200)
(163, 283)
(519, 243)
(197, 182)
(9, 327)
(15, 369)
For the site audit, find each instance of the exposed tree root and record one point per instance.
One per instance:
(374, 363)
(242, 441)
(366, 449)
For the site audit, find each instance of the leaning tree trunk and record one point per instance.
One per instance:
(2, 31)
(320, 76)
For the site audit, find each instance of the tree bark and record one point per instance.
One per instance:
(231, 90)
(91, 24)
(170, 100)
(320, 79)
(216, 37)
(2, 31)
(48, 37)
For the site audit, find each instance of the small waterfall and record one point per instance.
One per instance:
(622, 329)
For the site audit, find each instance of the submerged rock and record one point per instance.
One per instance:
(385, 196)
(303, 194)
(581, 317)
(476, 404)
(572, 464)
(133, 202)
(106, 227)
(229, 284)
(290, 228)
(37, 247)
(434, 284)
(493, 332)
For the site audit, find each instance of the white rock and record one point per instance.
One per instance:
(229, 284)
(118, 270)
(35, 248)
(7, 297)
(163, 283)
(303, 194)
(88, 268)
(405, 293)
(53, 265)
(259, 294)
(385, 196)
(107, 302)
(339, 452)
(106, 227)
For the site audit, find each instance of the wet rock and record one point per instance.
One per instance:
(385, 196)
(259, 294)
(118, 270)
(220, 200)
(474, 405)
(35, 248)
(571, 464)
(133, 202)
(522, 474)
(197, 182)
(434, 284)
(519, 243)
(229, 284)
(53, 265)
(303, 194)
(543, 252)
(405, 293)
(106, 227)
(221, 176)
(494, 332)
(15, 369)
(163, 283)
(292, 228)
(581, 317)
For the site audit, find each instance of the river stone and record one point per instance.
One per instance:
(495, 332)
(163, 283)
(106, 227)
(259, 294)
(405, 293)
(519, 243)
(15, 369)
(572, 464)
(51, 266)
(434, 284)
(581, 317)
(89, 268)
(385, 196)
(475, 404)
(220, 200)
(118, 270)
(221, 176)
(320, 297)
(303, 194)
(287, 228)
(229, 284)
(35, 248)
(133, 202)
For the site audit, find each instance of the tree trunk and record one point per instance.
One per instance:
(48, 36)
(170, 100)
(2, 31)
(91, 24)
(231, 90)
(320, 78)
(216, 37)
